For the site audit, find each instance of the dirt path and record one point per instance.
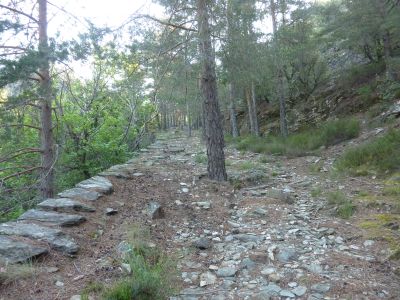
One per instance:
(269, 239)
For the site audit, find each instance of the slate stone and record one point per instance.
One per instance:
(64, 205)
(271, 290)
(12, 251)
(247, 237)
(226, 272)
(55, 237)
(299, 290)
(52, 217)
(202, 243)
(111, 211)
(98, 184)
(80, 194)
(285, 255)
(321, 288)
(155, 210)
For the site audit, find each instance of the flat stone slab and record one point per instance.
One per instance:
(80, 194)
(55, 237)
(12, 251)
(52, 217)
(98, 184)
(64, 205)
(120, 171)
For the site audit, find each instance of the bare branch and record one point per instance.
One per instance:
(23, 125)
(27, 171)
(168, 23)
(21, 152)
(19, 12)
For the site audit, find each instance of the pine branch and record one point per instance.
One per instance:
(19, 12)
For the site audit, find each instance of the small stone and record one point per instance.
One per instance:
(52, 269)
(321, 288)
(369, 243)
(268, 271)
(155, 210)
(226, 272)
(178, 202)
(299, 290)
(314, 268)
(274, 277)
(286, 255)
(76, 297)
(204, 204)
(127, 268)
(59, 283)
(185, 190)
(79, 277)
(207, 278)
(111, 211)
(286, 293)
(202, 243)
(292, 284)
(137, 174)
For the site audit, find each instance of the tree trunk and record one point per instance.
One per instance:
(281, 92)
(46, 136)
(232, 111)
(214, 137)
(247, 93)
(254, 110)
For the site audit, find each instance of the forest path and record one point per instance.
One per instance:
(268, 239)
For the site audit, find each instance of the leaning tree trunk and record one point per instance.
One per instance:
(232, 111)
(281, 92)
(214, 137)
(46, 136)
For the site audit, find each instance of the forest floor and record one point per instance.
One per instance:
(269, 233)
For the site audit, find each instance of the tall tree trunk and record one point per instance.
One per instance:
(46, 136)
(254, 110)
(232, 111)
(214, 137)
(281, 92)
(247, 93)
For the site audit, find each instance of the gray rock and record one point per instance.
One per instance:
(97, 184)
(111, 211)
(260, 211)
(55, 237)
(52, 217)
(321, 288)
(76, 297)
(204, 204)
(202, 243)
(64, 205)
(155, 210)
(286, 293)
(299, 290)
(226, 272)
(124, 249)
(207, 278)
(271, 289)
(80, 194)
(314, 268)
(286, 254)
(315, 296)
(12, 251)
(248, 264)
(247, 237)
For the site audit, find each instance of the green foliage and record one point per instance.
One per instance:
(344, 206)
(298, 144)
(152, 276)
(358, 74)
(200, 158)
(380, 155)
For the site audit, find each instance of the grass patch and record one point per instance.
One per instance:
(11, 273)
(316, 192)
(200, 158)
(344, 206)
(379, 156)
(246, 165)
(153, 273)
(302, 143)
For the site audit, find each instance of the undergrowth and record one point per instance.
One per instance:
(344, 206)
(381, 155)
(302, 143)
(152, 276)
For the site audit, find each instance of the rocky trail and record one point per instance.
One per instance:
(261, 236)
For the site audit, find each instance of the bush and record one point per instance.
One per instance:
(330, 133)
(379, 156)
(344, 207)
(153, 273)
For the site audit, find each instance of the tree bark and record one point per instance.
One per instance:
(232, 111)
(46, 136)
(214, 137)
(254, 110)
(281, 92)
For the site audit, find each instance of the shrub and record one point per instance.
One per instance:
(381, 155)
(344, 207)
(302, 143)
